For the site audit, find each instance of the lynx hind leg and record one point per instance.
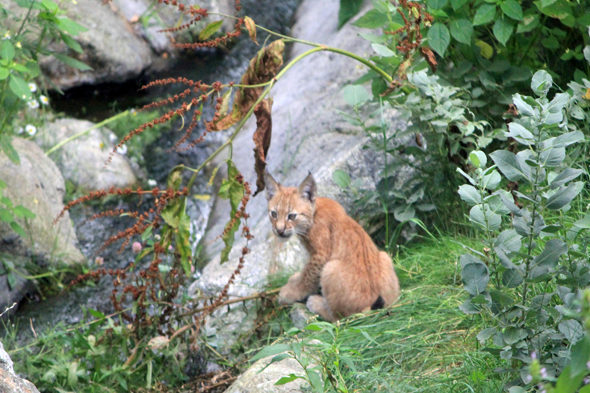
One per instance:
(345, 290)
(317, 304)
(389, 283)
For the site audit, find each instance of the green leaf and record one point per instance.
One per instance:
(19, 87)
(437, 4)
(210, 29)
(3, 73)
(271, 351)
(287, 379)
(439, 38)
(510, 166)
(11, 280)
(8, 149)
(21, 211)
(564, 195)
(512, 278)
(580, 356)
(69, 26)
(18, 229)
(503, 30)
(71, 43)
(512, 9)
(528, 23)
(475, 278)
(234, 191)
(456, 4)
(568, 138)
(565, 176)
(341, 178)
(521, 134)
(72, 62)
(6, 215)
(484, 15)
(462, 30)
(486, 334)
(348, 9)
(567, 382)
(355, 95)
(7, 51)
(469, 194)
(50, 6)
(541, 83)
(383, 50)
(513, 335)
(554, 249)
(373, 19)
(183, 245)
(583, 223)
(315, 380)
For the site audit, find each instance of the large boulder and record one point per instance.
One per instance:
(38, 185)
(9, 381)
(261, 378)
(308, 135)
(81, 160)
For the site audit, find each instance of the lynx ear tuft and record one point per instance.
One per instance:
(307, 189)
(272, 187)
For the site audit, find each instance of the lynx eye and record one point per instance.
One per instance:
(273, 214)
(292, 216)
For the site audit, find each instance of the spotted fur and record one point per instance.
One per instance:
(353, 275)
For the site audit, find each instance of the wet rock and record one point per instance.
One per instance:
(81, 160)
(258, 379)
(9, 381)
(38, 185)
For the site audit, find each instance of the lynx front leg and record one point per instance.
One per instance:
(303, 284)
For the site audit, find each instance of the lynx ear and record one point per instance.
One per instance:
(272, 187)
(307, 189)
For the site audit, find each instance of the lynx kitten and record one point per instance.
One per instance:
(352, 274)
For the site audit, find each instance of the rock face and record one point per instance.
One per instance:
(81, 161)
(308, 135)
(256, 381)
(38, 185)
(9, 381)
(12, 287)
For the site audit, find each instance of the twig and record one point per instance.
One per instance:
(240, 299)
(8, 309)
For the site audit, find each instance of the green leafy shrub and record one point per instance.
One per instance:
(24, 37)
(527, 279)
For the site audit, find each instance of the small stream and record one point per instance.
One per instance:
(103, 101)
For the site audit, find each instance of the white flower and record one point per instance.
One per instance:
(152, 183)
(6, 36)
(20, 130)
(31, 130)
(33, 104)
(33, 87)
(122, 149)
(44, 100)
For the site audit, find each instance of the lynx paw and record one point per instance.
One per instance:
(315, 303)
(289, 294)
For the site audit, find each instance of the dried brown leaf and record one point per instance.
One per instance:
(262, 138)
(251, 26)
(430, 59)
(262, 69)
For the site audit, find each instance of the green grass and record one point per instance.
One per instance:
(424, 343)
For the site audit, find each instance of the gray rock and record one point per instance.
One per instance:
(9, 381)
(81, 161)
(110, 46)
(254, 380)
(38, 185)
(300, 314)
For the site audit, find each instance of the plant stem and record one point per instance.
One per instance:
(102, 123)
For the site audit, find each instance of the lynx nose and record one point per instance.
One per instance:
(280, 231)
